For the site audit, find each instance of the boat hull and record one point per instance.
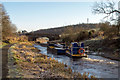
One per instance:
(75, 55)
(58, 51)
(62, 51)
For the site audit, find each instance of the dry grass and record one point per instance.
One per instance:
(29, 62)
(2, 44)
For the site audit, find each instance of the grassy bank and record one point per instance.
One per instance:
(3, 44)
(110, 48)
(25, 62)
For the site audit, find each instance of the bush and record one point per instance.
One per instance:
(16, 39)
(92, 33)
(111, 32)
(104, 26)
(83, 35)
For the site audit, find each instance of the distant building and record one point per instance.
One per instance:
(42, 39)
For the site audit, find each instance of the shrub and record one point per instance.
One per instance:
(111, 32)
(15, 39)
(83, 35)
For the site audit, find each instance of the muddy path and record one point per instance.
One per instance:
(4, 58)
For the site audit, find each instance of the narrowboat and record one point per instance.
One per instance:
(76, 51)
(57, 49)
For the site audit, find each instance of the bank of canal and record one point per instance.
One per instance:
(98, 66)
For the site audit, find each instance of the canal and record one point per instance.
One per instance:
(98, 66)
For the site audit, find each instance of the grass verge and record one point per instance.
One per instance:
(25, 61)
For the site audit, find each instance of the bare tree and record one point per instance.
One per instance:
(5, 24)
(107, 8)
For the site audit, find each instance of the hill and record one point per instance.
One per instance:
(59, 30)
(55, 32)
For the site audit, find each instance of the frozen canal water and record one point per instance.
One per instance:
(98, 66)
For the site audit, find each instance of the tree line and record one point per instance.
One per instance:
(7, 29)
(106, 30)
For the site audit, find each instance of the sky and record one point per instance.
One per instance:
(33, 16)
